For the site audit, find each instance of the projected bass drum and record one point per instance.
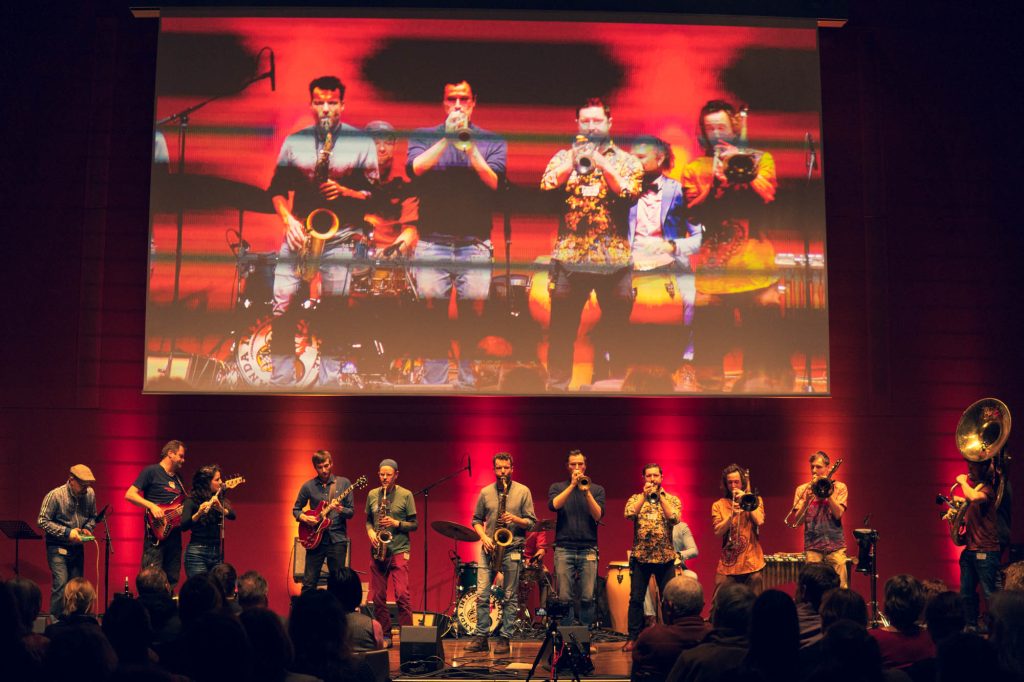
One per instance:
(466, 613)
(252, 355)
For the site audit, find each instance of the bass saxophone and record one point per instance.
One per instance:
(321, 223)
(384, 536)
(502, 534)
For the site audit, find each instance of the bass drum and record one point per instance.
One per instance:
(252, 355)
(466, 613)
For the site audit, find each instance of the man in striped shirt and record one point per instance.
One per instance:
(67, 516)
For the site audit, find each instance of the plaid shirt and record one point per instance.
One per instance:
(62, 511)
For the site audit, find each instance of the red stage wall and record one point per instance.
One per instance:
(922, 294)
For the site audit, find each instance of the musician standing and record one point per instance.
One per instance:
(68, 514)
(979, 560)
(456, 169)
(654, 512)
(518, 517)
(333, 548)
(579, 508)
(202, 514)
(390, 508)
(311, 174)
(156, 485)
(823, 525)
(591, 252)
(742, 558)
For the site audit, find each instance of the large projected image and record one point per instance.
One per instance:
(348, 205)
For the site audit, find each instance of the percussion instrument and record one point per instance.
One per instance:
(455, 531)
(466, 613)
(466, 579)
(617, 588)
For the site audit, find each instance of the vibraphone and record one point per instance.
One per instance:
(783, 568)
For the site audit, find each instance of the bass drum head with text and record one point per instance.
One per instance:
(254, 362)
(466, 612)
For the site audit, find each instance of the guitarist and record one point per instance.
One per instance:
(204, 511)
(159, 484)
(399, 520)
(334, 547)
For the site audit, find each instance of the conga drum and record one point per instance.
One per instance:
(617, 589)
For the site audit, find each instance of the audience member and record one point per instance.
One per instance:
(774, 639)
(252, 591)
(127, 628)
(79, 607)
(224, 577)
(78, 650)
(1014, 579)
(838, 604)
(155, 594)
(28, 597)
(658, 646)
(319, 633)
(17, 663)
(197, 596)
(1006, 611)
(273, 654)
(904, 641)
(364, 633)
(217, 648)
(850, 654)
(813, 581)
(722, 651)
(967, 656)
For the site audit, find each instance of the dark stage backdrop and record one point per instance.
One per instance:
(924, 320)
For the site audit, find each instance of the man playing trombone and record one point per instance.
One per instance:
(820, 505)
(737, 518)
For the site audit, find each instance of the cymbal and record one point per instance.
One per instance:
(455, 531)
(546, 524)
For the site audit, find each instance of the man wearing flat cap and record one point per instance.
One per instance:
(390, 509)
(67, 516)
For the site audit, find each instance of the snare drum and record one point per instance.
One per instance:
(383, 280)
(617, 588)
(466, 613)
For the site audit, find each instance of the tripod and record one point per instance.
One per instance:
(867, 562)
(553, 639)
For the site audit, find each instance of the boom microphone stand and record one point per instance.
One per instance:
(426, 524)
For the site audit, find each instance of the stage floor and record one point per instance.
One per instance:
(610, 662)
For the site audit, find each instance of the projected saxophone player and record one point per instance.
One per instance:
(591, 252)
(737, 517)
(504, 508)
(456, 169)
(390, 509)
(727, 190)
(324, 176)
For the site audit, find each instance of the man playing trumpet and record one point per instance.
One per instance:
(822, 518)
(737, 518)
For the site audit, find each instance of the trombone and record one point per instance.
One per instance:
(822, 488)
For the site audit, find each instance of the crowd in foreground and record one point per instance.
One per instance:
(220, 628)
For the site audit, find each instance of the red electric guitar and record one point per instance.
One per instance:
(311, 535)
(162, 527)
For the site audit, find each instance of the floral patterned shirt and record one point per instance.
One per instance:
(652, 535)
(594, 234)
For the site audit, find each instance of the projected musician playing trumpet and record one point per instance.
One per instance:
(324, 175)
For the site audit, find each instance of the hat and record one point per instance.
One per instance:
(388, 463)
(83, 473)
(381, 129)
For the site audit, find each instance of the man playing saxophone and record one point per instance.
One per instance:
(822, 517)
(503, 515)
(737, 517)
(324, 175)
(390, 517)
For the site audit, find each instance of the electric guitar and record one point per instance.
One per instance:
(310, 535)
(162, 527)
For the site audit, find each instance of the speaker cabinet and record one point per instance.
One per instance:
(421, 649)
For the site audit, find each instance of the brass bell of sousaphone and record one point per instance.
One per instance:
(981, 435)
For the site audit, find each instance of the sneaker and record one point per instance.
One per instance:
(478, 645)
(502, 647)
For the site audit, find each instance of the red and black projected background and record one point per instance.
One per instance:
(206, 329)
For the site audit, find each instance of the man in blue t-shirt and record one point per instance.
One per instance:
(157, 486)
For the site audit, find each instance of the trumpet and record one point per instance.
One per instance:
(583, 483)
(654, 497)
(457, 125)
(742, 166)
(583, 155)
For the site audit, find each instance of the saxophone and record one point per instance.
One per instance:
(321, 223)
(502, 534)
(384, 536)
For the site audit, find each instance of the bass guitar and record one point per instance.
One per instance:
(310, 535)
(171, 519)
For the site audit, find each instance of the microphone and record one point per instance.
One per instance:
(273, 73)
(812, 151)
(103, 514)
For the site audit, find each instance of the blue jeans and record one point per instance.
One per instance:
(510, 567)
(200, 559)
(977, 568)
(335, 282)
(65, 563)
(570, 563)
(439, 268)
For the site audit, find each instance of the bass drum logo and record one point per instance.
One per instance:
(256, 366)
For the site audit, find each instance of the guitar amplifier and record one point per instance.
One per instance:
(299, 562)
(421, 650)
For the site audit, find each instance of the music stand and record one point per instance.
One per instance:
(18, 531)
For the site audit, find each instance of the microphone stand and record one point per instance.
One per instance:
(107, 551)
(426, 524)
(183, 117)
